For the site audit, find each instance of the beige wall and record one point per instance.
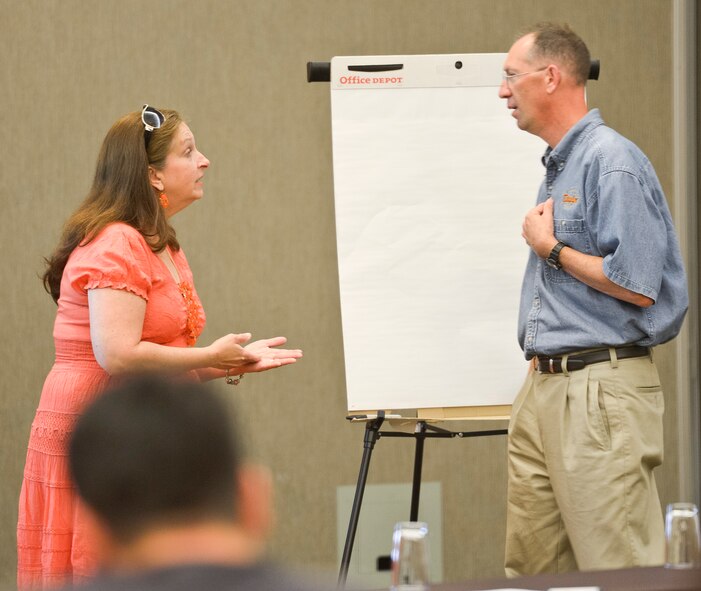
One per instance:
(262, 242)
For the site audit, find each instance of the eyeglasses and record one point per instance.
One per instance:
(152, 119)
(508, 78)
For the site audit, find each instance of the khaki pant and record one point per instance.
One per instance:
(582, 448)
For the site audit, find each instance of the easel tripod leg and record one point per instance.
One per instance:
(372, 432)
(418, 464)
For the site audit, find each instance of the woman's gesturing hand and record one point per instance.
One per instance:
(269, 355)
(234, 355)
(230, 353)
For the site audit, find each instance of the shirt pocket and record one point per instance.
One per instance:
(573, 232)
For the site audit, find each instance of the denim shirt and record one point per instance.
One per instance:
(607, 202)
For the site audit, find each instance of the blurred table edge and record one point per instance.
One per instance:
(654, 578)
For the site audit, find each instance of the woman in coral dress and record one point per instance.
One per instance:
(126, 303)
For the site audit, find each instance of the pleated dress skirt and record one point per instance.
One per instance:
(53, 547)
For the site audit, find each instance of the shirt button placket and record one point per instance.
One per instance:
(552, 175)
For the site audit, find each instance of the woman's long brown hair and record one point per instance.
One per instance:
(120, 192)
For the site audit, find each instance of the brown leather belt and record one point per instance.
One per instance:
(580, 361)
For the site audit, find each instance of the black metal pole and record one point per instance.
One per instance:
(420, 435)
(372, 431)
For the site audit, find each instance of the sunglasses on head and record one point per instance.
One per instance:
(152, 119)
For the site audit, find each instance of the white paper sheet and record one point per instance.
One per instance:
(432, 180)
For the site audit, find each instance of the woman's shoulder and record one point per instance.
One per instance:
(118, 236)
(114, 240)
(119, 230)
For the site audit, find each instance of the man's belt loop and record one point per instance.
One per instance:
(614, 357)
(563, 364)
(552, 369)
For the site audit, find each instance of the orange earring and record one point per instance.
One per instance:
(163, 198)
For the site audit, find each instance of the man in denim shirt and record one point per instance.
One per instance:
(604, 283)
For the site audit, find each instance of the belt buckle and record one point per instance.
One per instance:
(551, 367)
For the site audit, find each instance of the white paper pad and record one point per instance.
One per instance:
(432, 181)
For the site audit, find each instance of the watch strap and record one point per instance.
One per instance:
(553, 259)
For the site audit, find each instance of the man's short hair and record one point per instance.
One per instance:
(152, 451)
(559, 42)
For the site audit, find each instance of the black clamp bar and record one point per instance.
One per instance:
(321, 71)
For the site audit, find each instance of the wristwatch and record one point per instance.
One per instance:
(553, 259)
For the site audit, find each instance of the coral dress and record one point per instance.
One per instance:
(52, 545)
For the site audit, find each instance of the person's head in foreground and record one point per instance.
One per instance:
(158, 466)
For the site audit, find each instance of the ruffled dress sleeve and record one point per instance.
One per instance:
(119, 258)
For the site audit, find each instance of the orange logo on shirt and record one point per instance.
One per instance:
(567, 198)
